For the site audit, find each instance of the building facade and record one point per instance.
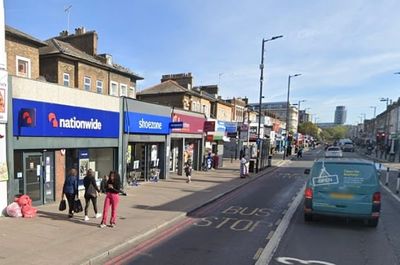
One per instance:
(340, 115)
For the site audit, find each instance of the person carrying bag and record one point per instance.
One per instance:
(70, 190)
(91, 191)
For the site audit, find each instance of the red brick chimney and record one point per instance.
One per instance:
(83, 40)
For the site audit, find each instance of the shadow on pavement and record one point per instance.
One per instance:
(63, 217)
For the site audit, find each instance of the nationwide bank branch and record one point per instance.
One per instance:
(55, 128)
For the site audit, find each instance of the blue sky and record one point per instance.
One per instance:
(346, 51)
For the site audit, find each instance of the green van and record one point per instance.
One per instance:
(343, 187)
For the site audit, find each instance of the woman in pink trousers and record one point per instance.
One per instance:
(112, 198)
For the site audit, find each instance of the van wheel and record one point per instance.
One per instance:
(308, 217)
(373, 222)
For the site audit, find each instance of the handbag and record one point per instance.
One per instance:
(63, 205)
(77, 205)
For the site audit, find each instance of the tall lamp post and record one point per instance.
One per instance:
(288, 114)
(261, 96)
(386, 121)
(373, 123)
(298, 117)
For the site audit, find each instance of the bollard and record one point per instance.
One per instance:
(387, 176)
(398, 183)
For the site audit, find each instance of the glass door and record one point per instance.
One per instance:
(33, 177)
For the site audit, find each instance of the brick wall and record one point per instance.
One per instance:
(68, 67)
(94, 73)
(48, 69)
(59, 173)
(15, 47)
(120, 79)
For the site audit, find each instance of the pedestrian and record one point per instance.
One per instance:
(91, 191)
(112, 199)
(103, 184)
(188, 170)
(70, 189)
(243, 167)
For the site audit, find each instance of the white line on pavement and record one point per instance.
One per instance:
(271, 233)
(391, 192)
(278, 221)
(273, 244)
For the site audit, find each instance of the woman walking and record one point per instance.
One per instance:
(70, 189)
(91, 191)
(112, 198)
(188, 170)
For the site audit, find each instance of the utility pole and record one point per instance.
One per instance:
(285, 153)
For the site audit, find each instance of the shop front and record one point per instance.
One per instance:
(146, 141)
(187, 142)
(215, 139)
(49, 139)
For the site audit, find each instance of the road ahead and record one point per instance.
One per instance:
(236, 228)
(341, 242)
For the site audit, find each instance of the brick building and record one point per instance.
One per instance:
(72, 60)
(22, 53)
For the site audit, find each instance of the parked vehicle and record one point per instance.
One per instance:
(333, 151)
(347, 188)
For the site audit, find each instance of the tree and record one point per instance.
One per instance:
(335, 133)
(308, 128)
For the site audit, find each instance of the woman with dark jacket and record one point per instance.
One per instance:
(91, 191)
(70, 189)
(113, 189)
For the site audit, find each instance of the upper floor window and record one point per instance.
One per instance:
(23, 67)
(99, 86)
(113, 88)
(123, 90)
(87, 83)
(66, 79)
(132, 93)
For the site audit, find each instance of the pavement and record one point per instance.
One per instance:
(52, 238)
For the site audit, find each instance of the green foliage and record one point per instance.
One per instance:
(308, 128)
(334, 133)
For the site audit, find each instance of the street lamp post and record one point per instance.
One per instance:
(261, 96)
(298, 118)
(386, 129)
(285, 153)
(373, 123)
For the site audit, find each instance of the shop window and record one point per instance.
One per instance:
(113, 88)
(66, 79)
(87, 83)
(23, 67)
(99, 86)
(123, 90)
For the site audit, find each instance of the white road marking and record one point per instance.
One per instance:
(288, 261)
(284, 212)
(391, 193)
(278, 221)
(273, 244)
(258, 253)
(270, 234)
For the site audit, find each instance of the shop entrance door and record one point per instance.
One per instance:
(33, 177)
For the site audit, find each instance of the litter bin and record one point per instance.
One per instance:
(269, 160)
(216, 161)
(252, 166)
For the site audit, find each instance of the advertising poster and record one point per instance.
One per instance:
(3, 160)
(3, 96)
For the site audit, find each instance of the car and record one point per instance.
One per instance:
(348, 147)
(333, 151)
(343, 187)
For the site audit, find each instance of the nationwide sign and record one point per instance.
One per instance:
(34, 118)
(136, 122)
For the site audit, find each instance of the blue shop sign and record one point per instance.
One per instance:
(136, 122)
(34, 118)
(231, 127)
(220, 126)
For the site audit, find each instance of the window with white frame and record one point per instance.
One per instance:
(66, 79)
(132, 92)
(123, 90)
(113, 88)
(99, 86)
(87, 82)
(23, 66)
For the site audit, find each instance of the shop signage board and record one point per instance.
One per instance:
(176, 125)
(209, 126)
(3, 96)
(136, 122)
(3, 158)
(191, 124)
(35, 118)
(231, 127)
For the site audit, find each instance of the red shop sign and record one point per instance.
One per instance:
(191, 124)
